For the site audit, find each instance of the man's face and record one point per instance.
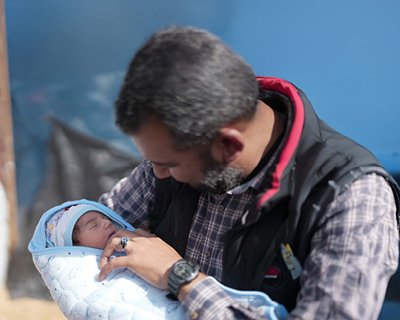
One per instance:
(195, 167)
(94, 230)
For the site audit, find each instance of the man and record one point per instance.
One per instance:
(247, 184)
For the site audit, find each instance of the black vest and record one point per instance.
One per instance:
(286, 212)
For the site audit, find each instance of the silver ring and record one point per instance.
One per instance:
(124, 242)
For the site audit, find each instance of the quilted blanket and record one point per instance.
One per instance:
(70, 273)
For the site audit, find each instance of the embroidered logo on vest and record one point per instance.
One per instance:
(272, 273)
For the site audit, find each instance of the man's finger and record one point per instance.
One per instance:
(143, 233)
(111, 265)
(121, 233)
(111, 247)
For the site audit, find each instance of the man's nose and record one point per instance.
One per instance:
(161, 172)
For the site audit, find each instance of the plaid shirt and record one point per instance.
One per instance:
(353, 253)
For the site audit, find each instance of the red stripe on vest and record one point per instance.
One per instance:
(289, 90)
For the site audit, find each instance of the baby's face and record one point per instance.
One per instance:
(94, 230)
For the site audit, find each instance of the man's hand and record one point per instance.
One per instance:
(146, 255)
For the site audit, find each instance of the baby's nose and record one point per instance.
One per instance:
(107, 223)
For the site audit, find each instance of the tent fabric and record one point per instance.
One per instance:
(79, 166)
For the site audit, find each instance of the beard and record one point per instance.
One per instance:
(218, 178)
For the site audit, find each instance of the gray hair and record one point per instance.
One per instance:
(191, 81)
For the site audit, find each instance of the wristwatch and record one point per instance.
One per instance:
(182, 272)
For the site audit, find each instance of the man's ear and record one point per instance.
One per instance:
(227, 145)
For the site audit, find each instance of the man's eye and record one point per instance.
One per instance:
(93, 226)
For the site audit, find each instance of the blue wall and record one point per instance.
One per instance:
(67, 58)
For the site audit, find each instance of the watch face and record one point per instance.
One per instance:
(184, 269)
(182, 272)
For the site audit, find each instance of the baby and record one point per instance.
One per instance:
(80, 225)
(66, 249)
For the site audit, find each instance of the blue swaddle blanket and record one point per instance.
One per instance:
(70, 273)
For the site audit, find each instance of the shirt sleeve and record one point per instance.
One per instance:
(353, 255)
(207, 300)
(133, 196)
